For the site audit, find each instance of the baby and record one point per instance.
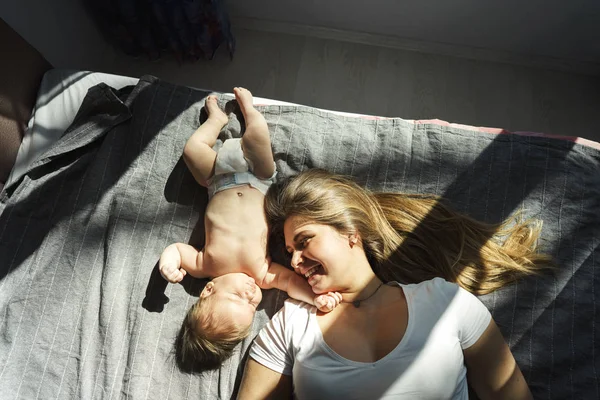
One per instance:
(237, 176)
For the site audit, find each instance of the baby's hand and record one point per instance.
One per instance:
(327, 302)
(171, 272)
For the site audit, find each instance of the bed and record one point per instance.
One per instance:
(96, 194)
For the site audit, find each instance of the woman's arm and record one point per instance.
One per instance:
(260, 382)
(492, 370)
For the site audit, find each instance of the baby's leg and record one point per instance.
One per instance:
(198, 153)
(256, 142)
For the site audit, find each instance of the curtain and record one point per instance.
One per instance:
(188, 29)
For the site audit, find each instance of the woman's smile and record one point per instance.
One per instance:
(314, 274)
(311, 271)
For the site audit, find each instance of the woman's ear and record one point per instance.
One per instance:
(208, 290)
(353, 239)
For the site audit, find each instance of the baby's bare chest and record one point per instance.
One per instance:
(236, 233)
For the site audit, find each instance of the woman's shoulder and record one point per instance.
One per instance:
(277, 343)
(436, 292)
(289, 322)
(295, 310)
(440, 294)
(293, 304)
(435, 286)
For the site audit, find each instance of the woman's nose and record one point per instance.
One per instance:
(296, 259)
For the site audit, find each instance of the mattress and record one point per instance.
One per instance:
(85, 314)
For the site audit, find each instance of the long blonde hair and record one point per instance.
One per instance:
(411, 238)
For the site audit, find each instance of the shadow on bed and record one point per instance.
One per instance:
(83, 167)
(176, 190)
(156, 299)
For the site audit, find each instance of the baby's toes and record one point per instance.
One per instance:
(213, 110)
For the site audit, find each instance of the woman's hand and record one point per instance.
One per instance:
(327, 302)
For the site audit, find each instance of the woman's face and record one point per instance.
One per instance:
(319, 253)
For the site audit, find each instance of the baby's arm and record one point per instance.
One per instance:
(178, 259)
(297, 287)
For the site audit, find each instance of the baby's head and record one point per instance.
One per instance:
(218, 321)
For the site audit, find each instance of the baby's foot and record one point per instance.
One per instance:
(214, 112)
(245, 100)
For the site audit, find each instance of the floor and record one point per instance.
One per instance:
(389, 82)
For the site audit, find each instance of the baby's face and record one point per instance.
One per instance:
(236, 297)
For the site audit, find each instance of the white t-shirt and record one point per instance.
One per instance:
(443, 319)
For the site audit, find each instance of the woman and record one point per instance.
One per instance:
(408, 338)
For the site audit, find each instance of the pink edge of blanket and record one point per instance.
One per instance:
(497, 131)
(500, 131)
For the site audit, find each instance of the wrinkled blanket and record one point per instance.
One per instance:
(85, 314)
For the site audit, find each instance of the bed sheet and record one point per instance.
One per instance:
(62, 91)
(59, 97)
(85, 314)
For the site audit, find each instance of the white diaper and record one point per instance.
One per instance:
(233, 169)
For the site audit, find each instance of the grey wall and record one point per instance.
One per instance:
(59, 29)
(568, 29)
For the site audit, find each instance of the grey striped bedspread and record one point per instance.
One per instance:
(84, 313)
